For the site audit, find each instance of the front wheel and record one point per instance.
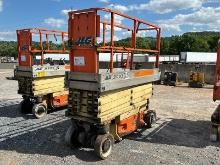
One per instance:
(39, 110)
(150, 119)
(103, 145)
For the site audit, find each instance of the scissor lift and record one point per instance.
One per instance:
(215, 118)
(41, 84)
(106, 104)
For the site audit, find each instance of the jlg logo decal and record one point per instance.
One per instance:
(84, 41)
(80, 41)
(24, 47)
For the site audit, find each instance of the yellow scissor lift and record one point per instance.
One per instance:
(40, 83)
(105, 104)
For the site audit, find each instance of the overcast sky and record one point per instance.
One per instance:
(174, 16)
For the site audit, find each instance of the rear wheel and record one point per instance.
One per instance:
(72, 135)
(26, 106)
(39, 110)
(103, 145)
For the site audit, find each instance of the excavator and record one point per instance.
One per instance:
(215, 118)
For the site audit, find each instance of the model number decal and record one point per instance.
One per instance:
(117, 76)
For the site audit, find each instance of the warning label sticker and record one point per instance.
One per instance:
(79, 61)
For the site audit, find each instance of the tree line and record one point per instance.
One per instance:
(191, 41)
(8, 48)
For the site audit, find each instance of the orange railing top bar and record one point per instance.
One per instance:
(116, 12)
(44, 31)
(117, 25)
(26, 48)
(128, 49)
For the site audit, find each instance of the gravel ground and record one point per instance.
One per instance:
(181, 135)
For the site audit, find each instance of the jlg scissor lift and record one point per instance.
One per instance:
(106, 104)
(40, 84)
(215, 118)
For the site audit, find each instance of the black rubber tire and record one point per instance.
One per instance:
(103, 129)
(103, 145)
(150, 119)
(39, 110)
(26, 106)
(50, 103)
(214, 134)
(72, 135)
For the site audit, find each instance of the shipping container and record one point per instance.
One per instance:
(197, 57)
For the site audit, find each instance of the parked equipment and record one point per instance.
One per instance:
(197, 79)
(106, 104)
(41, 84)
(170, 78)
(215, 118)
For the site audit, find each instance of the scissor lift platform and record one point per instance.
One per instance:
(106, 104)
(41, 85)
